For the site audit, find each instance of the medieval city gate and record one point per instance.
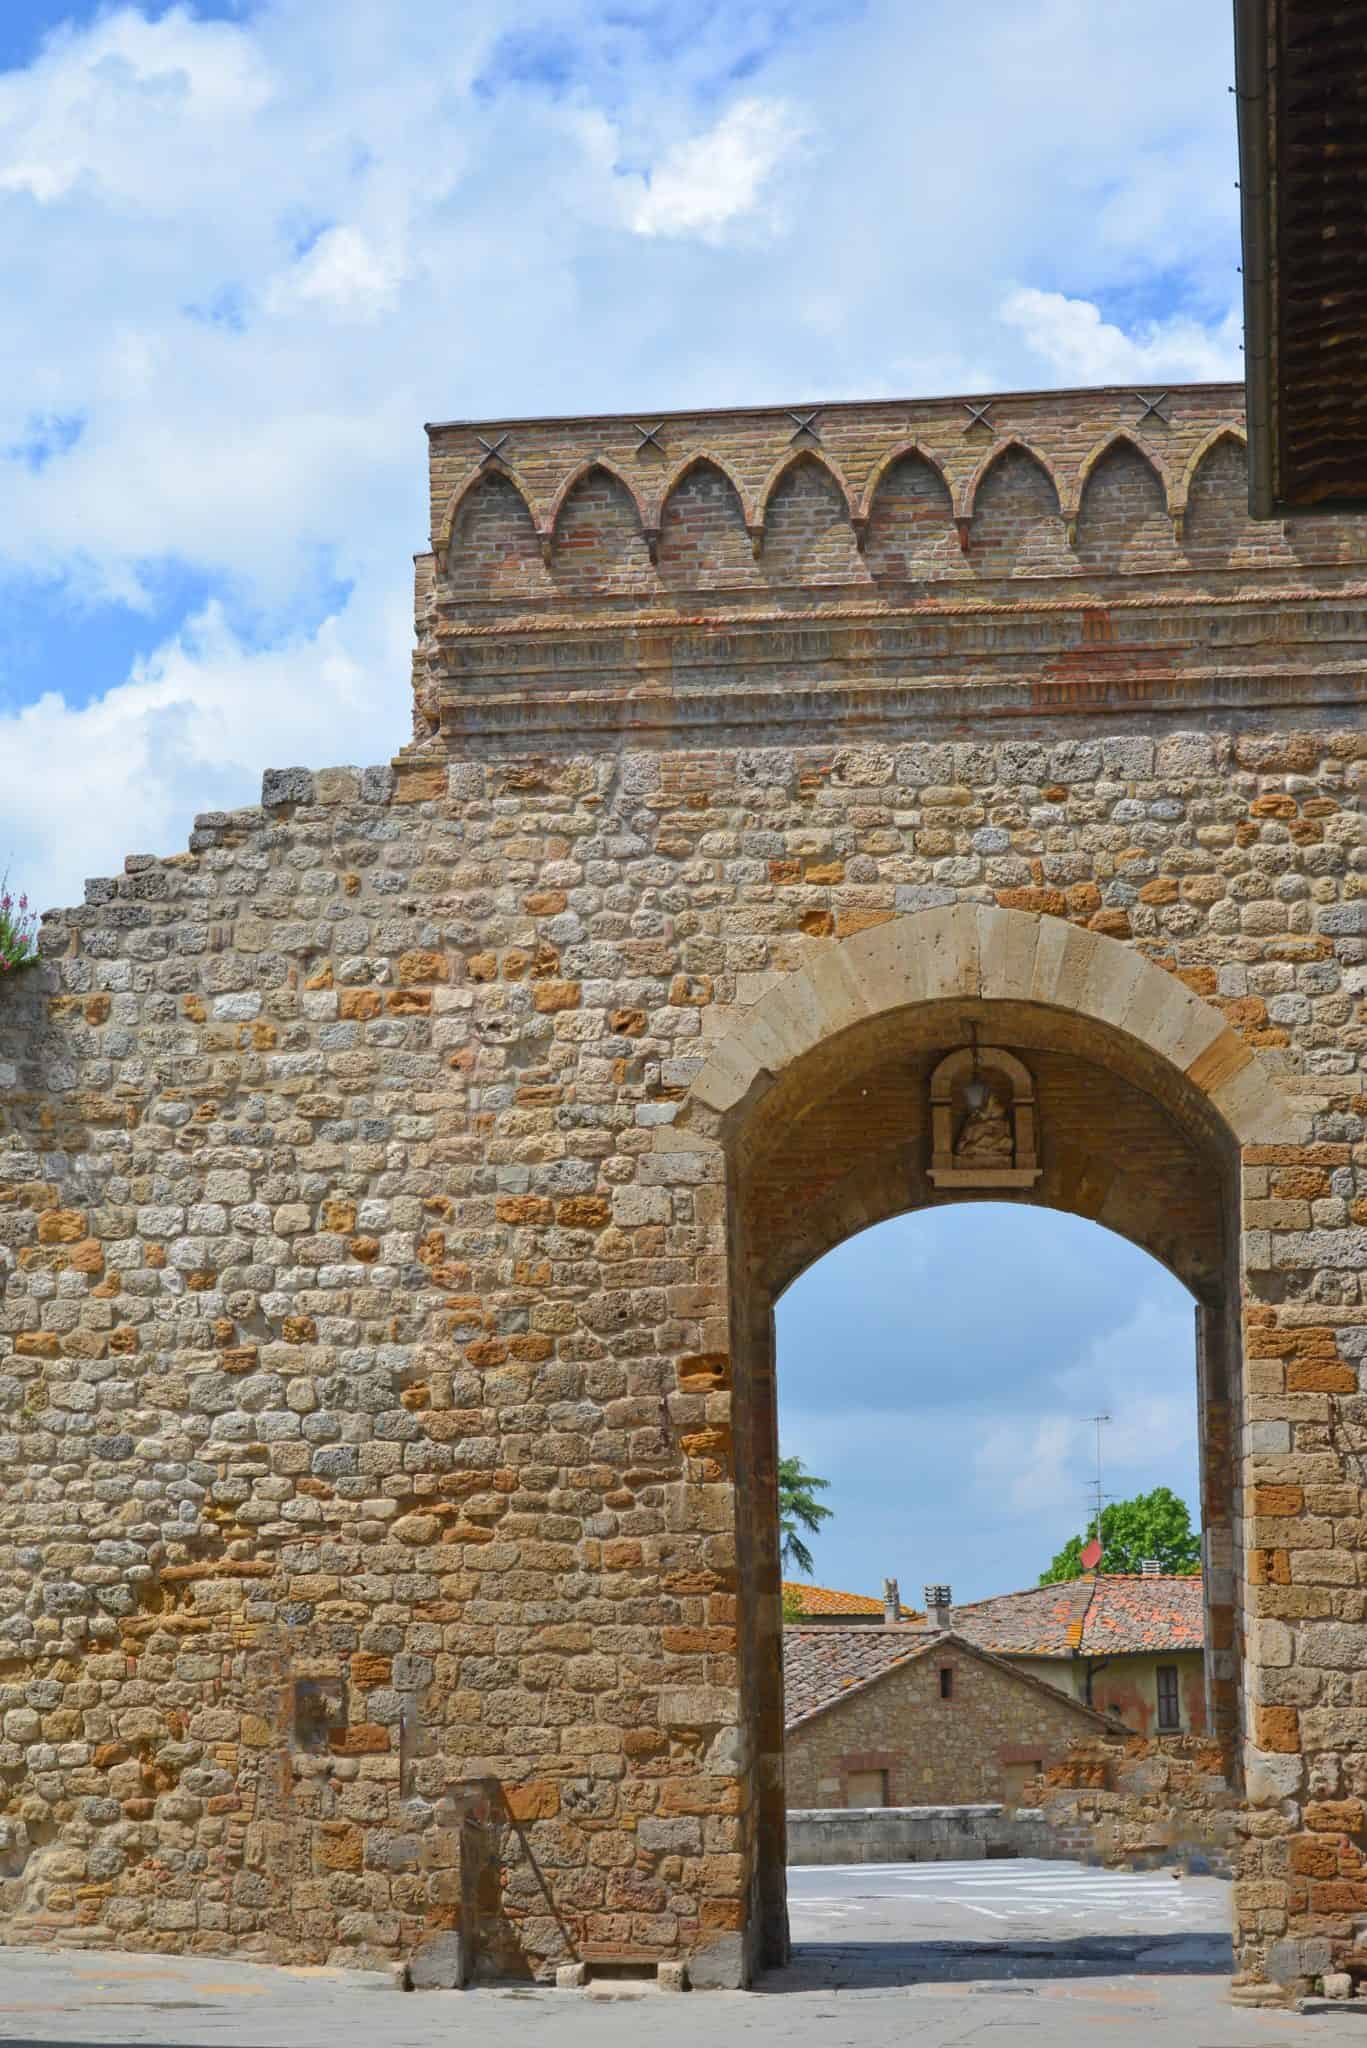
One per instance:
(809, 816)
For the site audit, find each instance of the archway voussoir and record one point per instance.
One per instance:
(1221, 1060)
(1113, 978)
(1256, 1110)
(1063, 955)
(728, 1075)
(1007, 940)
(1184, 1029)
(888, 962)
(843, 995)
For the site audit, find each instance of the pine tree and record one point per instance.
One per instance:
(798, 1508)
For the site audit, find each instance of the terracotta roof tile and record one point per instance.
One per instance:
(1115, 1613)
(1144, 1614)
(828, 1600)
(1042, 1621)
(821, 1664)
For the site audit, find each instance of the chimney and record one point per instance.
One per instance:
(938, 1600)
(1150, 1568)
(892, 1604)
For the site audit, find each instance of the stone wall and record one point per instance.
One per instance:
(1139, 1802)
(913, 1834)
(395, 1185)
(992, 1732)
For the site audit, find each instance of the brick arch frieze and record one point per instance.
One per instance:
(1074, 492)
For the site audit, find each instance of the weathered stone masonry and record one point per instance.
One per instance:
(394, 1188)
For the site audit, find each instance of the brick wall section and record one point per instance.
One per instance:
(371, 1259)
(936, 1752)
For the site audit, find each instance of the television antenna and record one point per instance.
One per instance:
(1100, 1422)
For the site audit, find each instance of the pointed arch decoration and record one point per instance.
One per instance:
(469, 483)
(1229, 431)
(863, 511)
(968, 495)
(702, 458)
(791, 460)
(1121, 437)
(651, 533)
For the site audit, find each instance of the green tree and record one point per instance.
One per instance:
(798, 1509)
(1155, 1524)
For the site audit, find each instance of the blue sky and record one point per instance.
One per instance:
(251, 248)
(952, 1418)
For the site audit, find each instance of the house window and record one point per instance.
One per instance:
(866, 1788)
(1169, 1702)
(946, 1681)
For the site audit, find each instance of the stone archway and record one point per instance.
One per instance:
(824, 1108)
(391, 1183)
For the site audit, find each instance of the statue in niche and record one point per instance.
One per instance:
(982, 1119)
(985, 1135)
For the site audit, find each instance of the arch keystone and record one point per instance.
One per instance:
(1006, 949)
(1062, 959)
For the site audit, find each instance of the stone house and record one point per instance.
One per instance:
(1131, 1646)
(903, 1717)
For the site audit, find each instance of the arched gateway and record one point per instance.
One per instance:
(395, 1188)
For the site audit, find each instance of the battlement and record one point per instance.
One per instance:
(624, 547)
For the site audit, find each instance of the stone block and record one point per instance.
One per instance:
(280, 786)
(438, 1964)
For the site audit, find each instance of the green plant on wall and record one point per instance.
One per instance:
(18, 931)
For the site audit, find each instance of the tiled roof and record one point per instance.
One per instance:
(821, 1664)
(1043, 1621)
(1090, 1617)
(827, 1600)
(1144, 1614)
(824, 1664)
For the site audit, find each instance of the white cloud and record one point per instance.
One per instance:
(1076, 343)
(190, 731)
(346, 271)
(138, 111)
(703, 185)
(1142, 1374)
(252, 257)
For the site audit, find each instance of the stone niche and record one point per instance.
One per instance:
(982, 1121)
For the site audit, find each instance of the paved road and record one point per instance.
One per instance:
(968, 1955)
(911, 1902)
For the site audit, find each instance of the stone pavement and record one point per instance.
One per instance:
(883, 1955)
